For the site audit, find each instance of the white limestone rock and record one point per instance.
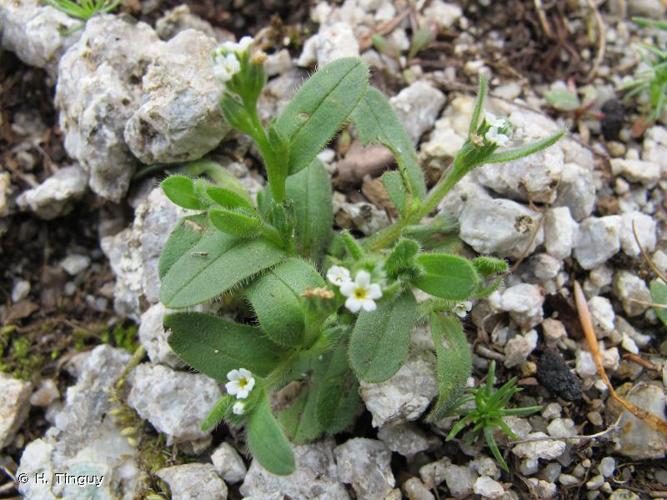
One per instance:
(519, 348)
(560, 232)
(548, 449)
(576, 190)
(228, 463)
(406, 439)
(488, 487)
(524, 303)
(365, 464)
(643, 172)
(417, 106)
(597, 240)
(155, 339)
(646, 233)
(14, 407)
(332, 41)
(460, 480)
(57, 194)
(175, 403)
(194, 482)
(633, 293)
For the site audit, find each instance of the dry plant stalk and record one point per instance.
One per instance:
(587, 325)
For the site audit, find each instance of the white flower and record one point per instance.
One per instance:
(238, 48)
(240, 383)
(361, 293)
(225, 66)
(499, 131)
(496, 137)
(338, 275)
(238, 408)
(461, 309)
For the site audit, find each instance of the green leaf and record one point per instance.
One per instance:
(376, 122)
(453, 364)
(482, 89)
(214, 346)
(401, 260)
(563, 100)
(229, 198)
(659, 296)
(215, 264)
(523, 151)
(217, 413)
(380, 340)
(486, 265)
(446, 276)
(237, 222)
(181, 191)
(320, 109)
(276, 300)
(310, 191)
(267, 442)
(420, 39)
(393, 184)
(186, 234)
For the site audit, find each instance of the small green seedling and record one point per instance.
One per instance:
(653, 81)
(330, 310)
(484, 409)
(84, 9)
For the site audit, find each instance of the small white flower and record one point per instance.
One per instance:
(238, 408)
(496, 137)
(338, 275)
(225, 66)
(361, 293)
(461, 309)
(240, 383)
(240, 47)
(499, 131)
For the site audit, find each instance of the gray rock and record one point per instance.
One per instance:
(635, 439)
(332, 41)
(46, 393)
(362, 216)
(547, 449)
(607, 466)
(485, 466)
(175, 403)
(646, 233)
(37, 34)
(134, 253)
(433, 474)
(406, 439)
(417, 106)
(443, 14)
(597, 240)
(654, 147)
(365, 464)
(541, 489)
(315, 477)
(406, 395)
(154, 338)
(632, 291)
(84, 438)
(562, 428)
(532, 178)
(20, 290)
(278, 63)
(179, 19)
(460, 480)
(623, 494)
(544, 267)
(519, 348)
(14, 407)
(500, 227)
(278, 92)
(178, 117)
(466, 189)
(524, 303)
(576, 190)
(194, 481)
(414, 489)
(56, 195)
(5, 192)
(643, 172)
(228, 463)
(603, 316)
(560, 232)
(487, 487)
(75, 263)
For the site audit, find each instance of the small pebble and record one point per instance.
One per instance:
(20, 290)
(607, 466)
(568, 480)
(595, 482)
(74, 263)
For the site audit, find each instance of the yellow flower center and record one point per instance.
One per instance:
(360, 293)
(243, 382)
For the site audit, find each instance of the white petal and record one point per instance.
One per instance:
(245, 373)
(238, 408)
(243, 392)
(233, 387)
(348, 288)
(374, 291)
(250, 384)
(368, 305)
(244, 43)
(353, 305)
(363, 279)
(234, 375)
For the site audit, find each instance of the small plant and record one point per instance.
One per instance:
(487, 412)
(651, 82)
(330, 309)
(84, 9)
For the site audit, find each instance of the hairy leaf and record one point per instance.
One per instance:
(338, 400)
(187, 233)
(320, 108)
(181, 191)
(237, 222)
(380, 340)
(215, 346)
(446, 276)
(377, 122)
(217, 413)
(401, 260)
(659, 297)
(393, 184)
(453, 365)
(267, 442)
(229, 198)
(216, 263)
(276, 299)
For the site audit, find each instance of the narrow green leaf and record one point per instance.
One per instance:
(217, 413)
(310, 190)
(380, 340)
(216, 263)
(563, 100)
(376, 122)
(214, 346)
(420, 39)
(393, 184)
(486, 265)
(267, 442)
(523, 151)
(479, 105)
(181, 191)
(320, 108)
(185, 235)
(453, 363)
(237, 222)
(446, 276)
(276, 300)
(229, 198)
(659, 296)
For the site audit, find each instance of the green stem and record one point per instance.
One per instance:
(274, 173)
